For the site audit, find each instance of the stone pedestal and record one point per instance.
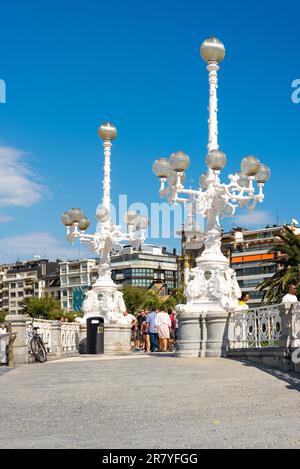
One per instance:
(56, 345)
(116, 339)
(20, 347)
(202, 334)
(217, 334)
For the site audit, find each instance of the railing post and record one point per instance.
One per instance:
(20, 348)
(295, 326)
(286, 326)
(56, 343)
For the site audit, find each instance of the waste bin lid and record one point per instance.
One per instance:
(95, 320)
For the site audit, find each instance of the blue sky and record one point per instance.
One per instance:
(70, 65)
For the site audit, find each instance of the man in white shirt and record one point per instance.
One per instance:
(290, 297)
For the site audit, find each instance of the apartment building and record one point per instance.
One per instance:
(75, 278)
(250, 257)
(27, 279)
(145, 266)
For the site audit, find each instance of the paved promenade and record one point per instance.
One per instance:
(148, 402)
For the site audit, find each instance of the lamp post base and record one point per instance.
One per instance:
(202, 334)
(117, 339)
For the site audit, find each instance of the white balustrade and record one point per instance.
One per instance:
(44, 330)
(69, 334)
(70, 337)
(259, 327)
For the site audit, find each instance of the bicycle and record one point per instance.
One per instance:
(37, 346)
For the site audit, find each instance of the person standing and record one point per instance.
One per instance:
(145, 333)
(290, 297)
(152, 329)
(243, 300)
(164, 327)
(131, 320)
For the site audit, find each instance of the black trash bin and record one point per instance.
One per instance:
(95, 335)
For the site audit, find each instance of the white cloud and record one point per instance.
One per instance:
(256, 218)
(18, 183)
(41, 243)
(5, 218)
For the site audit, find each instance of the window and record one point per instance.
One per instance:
(20, 293)
(65, 304)
(20, 284)
(65, 292)
(12, 285)
(13, 295)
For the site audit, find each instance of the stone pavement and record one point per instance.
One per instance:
(146, 401)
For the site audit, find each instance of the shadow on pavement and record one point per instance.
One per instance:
(290, 377)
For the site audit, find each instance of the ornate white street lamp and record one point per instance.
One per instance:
(212, 286)
(104, 298)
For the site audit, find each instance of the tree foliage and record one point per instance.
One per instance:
(137, 298)
(275, 287)
(43, 308)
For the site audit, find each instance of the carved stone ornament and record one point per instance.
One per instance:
(217, 284)
(107, 303)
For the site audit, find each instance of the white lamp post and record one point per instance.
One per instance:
(104, 298)
(212, 289)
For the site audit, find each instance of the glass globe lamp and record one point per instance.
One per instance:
(66, 219)
(162, 167)
(243, 180)
(107, 132)
(179, 161)
(212, 50)
(250, 165)
(143, 222)
(216, 160)
(131, 218)
(263, 174)
(76, 214)
(172, 178)
(102, 214)
(84, 224)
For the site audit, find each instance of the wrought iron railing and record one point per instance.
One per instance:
(267, 326)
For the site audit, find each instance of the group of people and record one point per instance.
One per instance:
(288, 298)
(153, 330)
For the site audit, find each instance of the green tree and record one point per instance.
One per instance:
(43, 308)
(2, 316)
(134, 298)
(275, 287)
(178, 294)
(170, 303)
(152, 300)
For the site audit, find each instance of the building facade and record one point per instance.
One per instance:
(27, 280)
(142, 267)
(250, 257)
(75, 278)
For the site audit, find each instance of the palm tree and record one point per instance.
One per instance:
(289, 271)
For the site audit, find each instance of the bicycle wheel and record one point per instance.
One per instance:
(38, 350)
